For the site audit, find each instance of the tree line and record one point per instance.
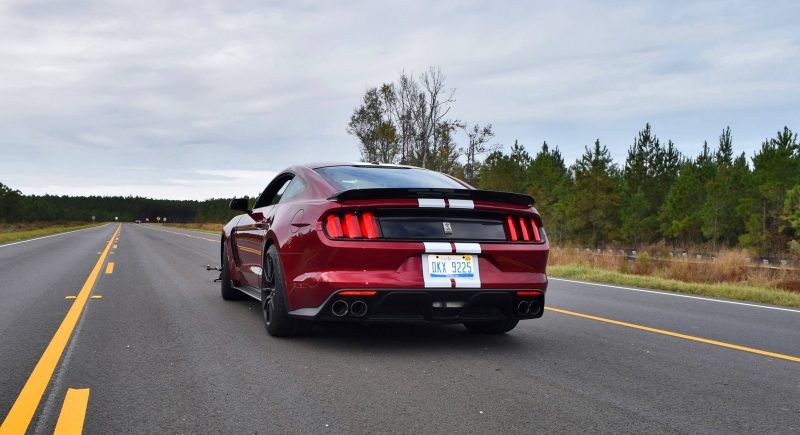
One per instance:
(657, 195)
(16, 207)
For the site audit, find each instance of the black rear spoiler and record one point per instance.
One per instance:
(475, 195)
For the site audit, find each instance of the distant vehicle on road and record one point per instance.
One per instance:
(385, 243)
(137, 221)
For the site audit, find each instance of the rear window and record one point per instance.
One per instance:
(365, 177)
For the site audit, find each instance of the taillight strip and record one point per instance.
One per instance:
(536, 236)
(333, 225)
(524, 227)
(352, 229)
(512, 230)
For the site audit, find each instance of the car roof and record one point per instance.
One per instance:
(363, 164)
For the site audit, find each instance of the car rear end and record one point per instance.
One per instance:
(437, 254)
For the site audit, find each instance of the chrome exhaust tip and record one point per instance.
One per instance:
(534, 308)
(522, 308)
(358, 309)
(339, 308)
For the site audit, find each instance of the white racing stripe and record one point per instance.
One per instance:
(461, 283)
(461, 203)
(438, 247)
(468, 248)
(431, 202)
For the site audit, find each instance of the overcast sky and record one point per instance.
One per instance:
(196, 99)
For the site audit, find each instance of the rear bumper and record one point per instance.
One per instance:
(427, 306)
(324, 267)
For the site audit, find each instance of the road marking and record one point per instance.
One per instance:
(115, 246)
(97, 297)
(110, 268)
(677, 295)
(21, 413)
(51, 235)
(678, 335)
(73, 412)
(70, 297)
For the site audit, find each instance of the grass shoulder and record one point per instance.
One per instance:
(749, 293)
(18, 232)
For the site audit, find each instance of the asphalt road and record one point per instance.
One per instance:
(161, 352)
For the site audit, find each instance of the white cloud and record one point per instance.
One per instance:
(187, 89)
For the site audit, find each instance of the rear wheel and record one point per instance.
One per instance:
(497, 327)
(273, 300)
(226, 288)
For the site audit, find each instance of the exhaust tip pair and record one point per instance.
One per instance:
(341, 308)
(531, 308)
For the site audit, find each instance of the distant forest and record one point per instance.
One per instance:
(16, 207)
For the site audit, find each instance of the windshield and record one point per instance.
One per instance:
(365, 177)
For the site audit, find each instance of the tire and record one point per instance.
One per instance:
(226, 289)
(273, 300)
(498, 327)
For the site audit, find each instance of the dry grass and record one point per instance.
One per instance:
(30, 230)
(730, 267)
(742, 292)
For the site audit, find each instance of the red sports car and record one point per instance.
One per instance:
(385, 243)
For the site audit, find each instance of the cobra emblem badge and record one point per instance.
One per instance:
(448, 229)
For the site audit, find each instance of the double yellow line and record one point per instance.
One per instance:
(24, 408)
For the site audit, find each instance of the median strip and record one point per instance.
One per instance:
(678, 335)
(24, 408)
(73, 412)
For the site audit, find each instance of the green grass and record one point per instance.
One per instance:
(15, 236)
(738, 292)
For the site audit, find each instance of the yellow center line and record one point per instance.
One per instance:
(110, 267)
(21, 413)
(73, 412)
(678, 335)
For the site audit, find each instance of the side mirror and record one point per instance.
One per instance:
(240, 204)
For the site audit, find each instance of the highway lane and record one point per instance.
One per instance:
(35, 277)
(162, 352)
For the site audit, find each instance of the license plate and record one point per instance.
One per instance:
(439, 269)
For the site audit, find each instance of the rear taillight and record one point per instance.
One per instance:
(522, 229)
(352, 226)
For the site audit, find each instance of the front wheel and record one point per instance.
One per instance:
(273, 300)
(497, 327)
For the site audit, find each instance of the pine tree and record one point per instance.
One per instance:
(650, 169)
(681, 214)
(549, 182)
(776, 168)
(593, 209)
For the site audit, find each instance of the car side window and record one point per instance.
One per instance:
(272, 194)
(277, 198)
(296, 187)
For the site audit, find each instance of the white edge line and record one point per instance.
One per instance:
(51, 235)
(678, 295)
(181, 231)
